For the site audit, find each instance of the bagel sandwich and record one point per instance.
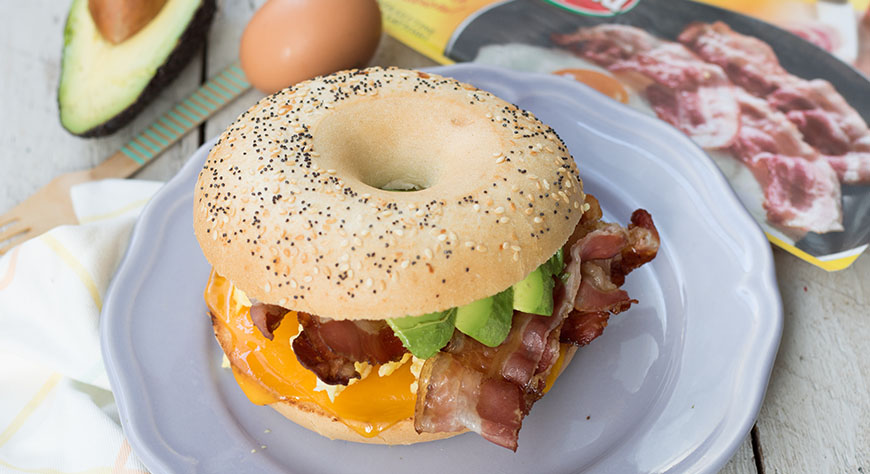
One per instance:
(401, 257)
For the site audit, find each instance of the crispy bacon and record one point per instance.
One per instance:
(517, 358)
(329, 347)
(267, 318)
(328, 366)
(642, 246)
(490, 390)
(599, 295)
(581, 328)
(451, 397)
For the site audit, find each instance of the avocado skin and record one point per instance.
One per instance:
(189, 43)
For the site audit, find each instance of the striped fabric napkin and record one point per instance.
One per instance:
(57, 413)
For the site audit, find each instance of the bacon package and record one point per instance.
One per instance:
(773, 92)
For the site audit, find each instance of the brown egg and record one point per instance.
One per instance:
(288, 41)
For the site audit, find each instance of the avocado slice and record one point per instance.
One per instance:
(104, 85)
(425, 335)
(534, 294)
(487, 320)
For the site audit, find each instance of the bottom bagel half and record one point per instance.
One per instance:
(377, 409)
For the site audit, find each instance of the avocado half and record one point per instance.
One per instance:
(104, 85)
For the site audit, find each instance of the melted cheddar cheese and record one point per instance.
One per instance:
(268, 371)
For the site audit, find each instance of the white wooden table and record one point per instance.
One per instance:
(816, 415)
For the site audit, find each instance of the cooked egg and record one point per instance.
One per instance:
(604, 83)
(288, 41)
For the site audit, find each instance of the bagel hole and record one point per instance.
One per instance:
(400, 186)
(405, 144)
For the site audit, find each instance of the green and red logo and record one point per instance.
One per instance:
(596, 7)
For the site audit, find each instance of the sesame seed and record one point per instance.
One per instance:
(499, 210)
(369, 282)
(307, 279)
(267, 287)
(538, 220)
(503, 220)
(427, 253)
(442, 237)
(293, 284)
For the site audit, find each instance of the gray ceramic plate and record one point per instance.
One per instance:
(672, 386)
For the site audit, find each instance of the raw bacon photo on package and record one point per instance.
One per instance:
(727, 91)
(782, 117)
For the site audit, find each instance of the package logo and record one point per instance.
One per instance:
(596, 7)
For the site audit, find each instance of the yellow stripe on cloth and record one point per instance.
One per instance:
(115, 213)
(6, 280)
(29, 408)
(76, 266)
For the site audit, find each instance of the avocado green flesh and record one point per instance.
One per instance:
(487, 320)
(425, 335)
(535, 293)
(101, 82)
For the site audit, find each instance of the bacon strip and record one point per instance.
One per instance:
(490, 390)
(599, 295)
(454, 398)
(267, 318)
(329, 348)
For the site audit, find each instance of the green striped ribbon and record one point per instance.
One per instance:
(218, 91)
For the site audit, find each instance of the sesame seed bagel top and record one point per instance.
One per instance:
(298, 205)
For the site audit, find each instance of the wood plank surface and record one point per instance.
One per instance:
(816, 415)
(743, 461)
